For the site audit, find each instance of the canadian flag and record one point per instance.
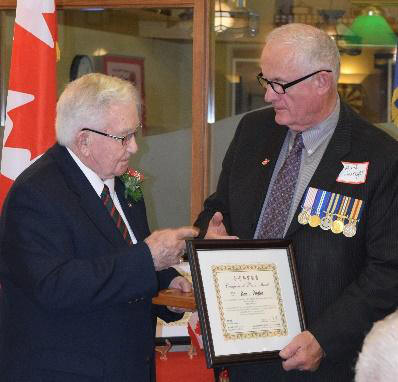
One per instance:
(194, 331)
(31, 99)
(197, 342)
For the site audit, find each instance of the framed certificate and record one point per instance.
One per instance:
(248, 298)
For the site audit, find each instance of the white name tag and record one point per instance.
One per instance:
(353, 173)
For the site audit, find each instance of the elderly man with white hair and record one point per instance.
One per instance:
(312, 171)
(78, 264)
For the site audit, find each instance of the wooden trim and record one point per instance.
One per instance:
(200, 82)
(200, 79)
(61, 4)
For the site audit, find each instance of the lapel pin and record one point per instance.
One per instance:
(265, 162)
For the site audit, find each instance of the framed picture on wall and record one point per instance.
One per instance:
(130, 69)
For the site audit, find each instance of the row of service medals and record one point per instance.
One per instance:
(331, 211)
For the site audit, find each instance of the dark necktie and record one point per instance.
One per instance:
(274, 219)
(108, 203)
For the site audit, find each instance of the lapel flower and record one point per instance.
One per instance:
(132, 180)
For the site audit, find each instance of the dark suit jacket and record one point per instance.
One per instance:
(346, 283)
(76, 299)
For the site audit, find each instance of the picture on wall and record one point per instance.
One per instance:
(130, 69)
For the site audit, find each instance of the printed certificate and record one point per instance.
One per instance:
(247, 297)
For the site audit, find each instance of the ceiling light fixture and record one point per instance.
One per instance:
(233, 17)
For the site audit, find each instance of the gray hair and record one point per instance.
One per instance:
(85, 102)
(378, 360)
(311, 48)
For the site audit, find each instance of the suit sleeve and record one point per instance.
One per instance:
(219, 201)
(39, 243)
(374, 294)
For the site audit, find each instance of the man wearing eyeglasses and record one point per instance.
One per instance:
(310, 170)
(78, 265)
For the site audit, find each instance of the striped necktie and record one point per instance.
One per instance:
(276, 212)
(110, 206)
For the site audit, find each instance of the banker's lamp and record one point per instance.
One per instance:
(371, 28)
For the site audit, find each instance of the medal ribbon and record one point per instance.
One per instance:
(336, 206)
(316, 203)
(309, 199)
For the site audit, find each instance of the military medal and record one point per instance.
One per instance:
(338, 224)
(304, 216)
(315, 220)
(330, 210)
(327, 220)
(350, 229)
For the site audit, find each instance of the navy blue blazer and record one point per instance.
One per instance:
(76, 299)
(346, 283)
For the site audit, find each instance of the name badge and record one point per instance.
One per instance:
(353, 173)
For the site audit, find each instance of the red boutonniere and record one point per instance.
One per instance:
(132, 180)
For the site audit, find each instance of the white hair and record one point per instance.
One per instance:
(311, 48)
(86, 101)
(378, 360)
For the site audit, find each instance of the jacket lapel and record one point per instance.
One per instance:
(89, 201)
(268, 151)
(330, 165)
(130, 211)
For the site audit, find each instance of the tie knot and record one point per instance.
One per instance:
(105, 192)
(298, 141)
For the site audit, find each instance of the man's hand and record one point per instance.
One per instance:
(216, 228)
(167, 245)
(183, 285)
(302, 353)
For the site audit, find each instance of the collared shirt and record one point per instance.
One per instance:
(98, 184)
(316, 140)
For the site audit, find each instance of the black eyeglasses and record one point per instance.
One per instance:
(281, 88)
(125, 139)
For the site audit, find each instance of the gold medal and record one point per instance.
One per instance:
(337, 226)
(315, 220)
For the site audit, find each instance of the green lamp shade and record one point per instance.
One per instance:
(371, 30)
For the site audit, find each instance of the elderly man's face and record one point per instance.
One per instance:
(109, 157)
(299, 107)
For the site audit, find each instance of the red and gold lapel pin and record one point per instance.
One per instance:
(265, 162)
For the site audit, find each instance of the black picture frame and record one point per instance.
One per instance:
(213, 262)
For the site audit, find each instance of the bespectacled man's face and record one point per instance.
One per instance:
(108, 156)
(299, 106)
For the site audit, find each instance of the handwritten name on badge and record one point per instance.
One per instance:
(353, 173)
